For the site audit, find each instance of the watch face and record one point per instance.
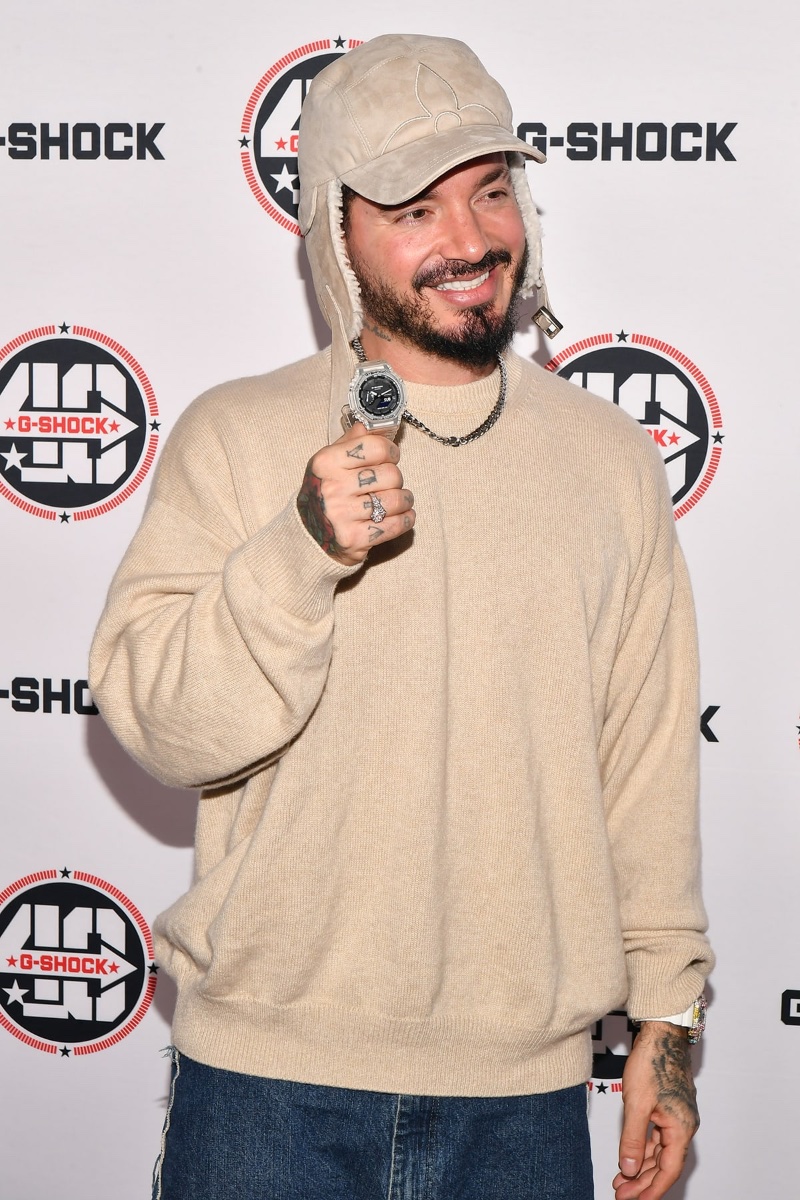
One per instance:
(379, 396)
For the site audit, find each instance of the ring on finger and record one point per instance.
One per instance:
(378, 511)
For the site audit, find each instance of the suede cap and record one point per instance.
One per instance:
(396, 113)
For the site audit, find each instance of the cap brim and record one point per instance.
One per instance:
(405, 172)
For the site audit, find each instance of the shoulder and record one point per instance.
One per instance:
(289, 396)
(591, 425)
(243, 444)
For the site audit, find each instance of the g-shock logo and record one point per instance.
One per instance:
(76, 963)
(78, 423)
(268, 137)
(84, 141)
(648, 141)
(666, 393)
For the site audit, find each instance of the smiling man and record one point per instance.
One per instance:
(444, 716)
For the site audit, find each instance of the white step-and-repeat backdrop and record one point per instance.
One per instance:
(148, 249)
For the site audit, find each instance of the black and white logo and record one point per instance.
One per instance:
(269, 132)
(790, 1007)
(76, 962)
(665, 392)
(78, 423)
(612, 1038)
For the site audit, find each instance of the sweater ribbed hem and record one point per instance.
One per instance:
(285, 560)
(446, 1056)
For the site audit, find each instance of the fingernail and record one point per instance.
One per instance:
(628, 1166)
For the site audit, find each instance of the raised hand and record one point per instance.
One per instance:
(336, 503)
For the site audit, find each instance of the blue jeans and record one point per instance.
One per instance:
(239, 1137)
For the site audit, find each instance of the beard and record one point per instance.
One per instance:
(479, 334)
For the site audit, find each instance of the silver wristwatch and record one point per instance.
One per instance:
(377, 398)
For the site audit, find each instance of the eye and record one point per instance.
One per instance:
(412, 216)
(496, 193)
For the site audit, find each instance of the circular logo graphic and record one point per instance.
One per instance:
(76, 963)
(78, 423)
(270, 123)
(665, 392)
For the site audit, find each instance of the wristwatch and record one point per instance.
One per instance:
(377, 398)
(693, 1019)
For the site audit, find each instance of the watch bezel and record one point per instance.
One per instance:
(368, 370)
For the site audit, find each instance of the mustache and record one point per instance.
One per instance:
(457, 268)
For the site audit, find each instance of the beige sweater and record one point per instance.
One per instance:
(449, 807)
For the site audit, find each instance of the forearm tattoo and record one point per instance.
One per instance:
(311, 506)
(672, 1068)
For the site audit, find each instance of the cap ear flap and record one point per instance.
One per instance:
(530, 219)
(307, 209)
(355, 318)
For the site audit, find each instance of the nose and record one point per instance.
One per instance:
(464, 236)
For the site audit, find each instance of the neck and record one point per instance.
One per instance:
(417, 366)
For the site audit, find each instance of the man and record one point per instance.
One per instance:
(448, 816)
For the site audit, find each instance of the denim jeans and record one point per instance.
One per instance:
(239, 1137)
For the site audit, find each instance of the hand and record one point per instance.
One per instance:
(334, 499)
(657, 1091)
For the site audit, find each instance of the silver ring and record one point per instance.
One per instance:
(378, 511)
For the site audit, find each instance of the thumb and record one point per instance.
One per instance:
(633, 1141)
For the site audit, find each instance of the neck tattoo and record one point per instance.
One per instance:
(453, 440)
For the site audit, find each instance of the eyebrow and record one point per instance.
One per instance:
(499, 172)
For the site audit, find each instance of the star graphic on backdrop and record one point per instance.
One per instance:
(65, 1052)
(114, 426)
(63, 327)
(622, 336)
(13, 458)
(155, 425)
(338, 42)
(718, 438)
(153, 969)
(285, 180)
(244, 141)
(673, 439)
(113, 968)
(64, 517)
(65, 873)
(15, 993)
(602, 1088)
(12, 962)
(281, 145)
(9, 424)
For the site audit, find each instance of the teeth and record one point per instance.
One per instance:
(462, 285)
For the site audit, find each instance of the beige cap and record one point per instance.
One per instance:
(396, 113)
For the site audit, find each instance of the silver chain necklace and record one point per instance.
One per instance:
(454, 440)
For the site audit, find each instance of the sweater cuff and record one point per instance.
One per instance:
(285, 561)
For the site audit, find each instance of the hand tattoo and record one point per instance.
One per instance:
(311, 506)
(672, 1070)
(375, 532)
(356, 452)
(367, 478)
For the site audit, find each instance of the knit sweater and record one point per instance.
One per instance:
(449, 806)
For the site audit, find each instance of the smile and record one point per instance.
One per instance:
(462, 285)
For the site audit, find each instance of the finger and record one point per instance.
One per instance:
(383, 477)
(635, 1189)
(633, 1142)
(371, 534)
(395, 501)
(357, 447)
(671, 1158)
